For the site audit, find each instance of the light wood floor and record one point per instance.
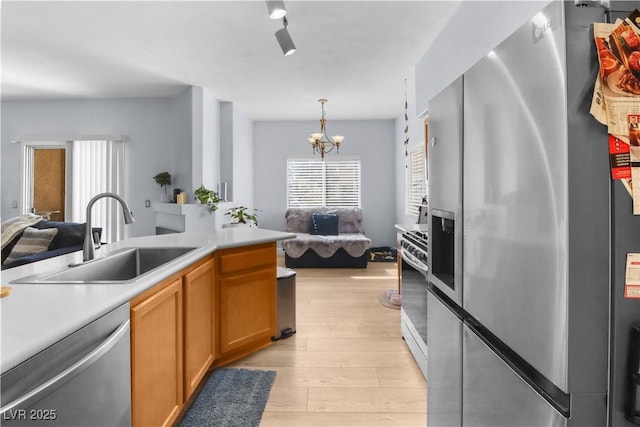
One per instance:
(347, 365)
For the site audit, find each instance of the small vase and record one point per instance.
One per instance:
(164, 198)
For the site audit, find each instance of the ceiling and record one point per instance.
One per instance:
(357, 54)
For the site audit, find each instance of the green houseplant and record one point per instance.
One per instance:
(207, 197)
(241, 215)
(163, 179)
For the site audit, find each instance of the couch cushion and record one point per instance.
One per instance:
(324, 224)
(69, 233)
(33, 241)
(349, 219)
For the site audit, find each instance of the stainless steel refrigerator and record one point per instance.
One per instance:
(528, 237)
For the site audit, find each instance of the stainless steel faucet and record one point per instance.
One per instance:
(88, 252)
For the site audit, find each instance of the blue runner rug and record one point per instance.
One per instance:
(231, 397)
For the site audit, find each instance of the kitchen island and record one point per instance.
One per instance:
(212, 301)
(36, 316)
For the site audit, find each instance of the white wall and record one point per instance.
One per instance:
(205, 148)
(158, 140)
(226, 146)
(373, 140)
(243, 159)
(181, 134)
(473, 30)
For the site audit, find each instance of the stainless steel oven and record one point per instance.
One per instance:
(414, 256)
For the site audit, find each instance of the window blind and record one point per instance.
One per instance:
(97, 167)
(416, 180)
(331, 183)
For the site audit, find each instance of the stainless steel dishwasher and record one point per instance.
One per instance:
(82, 380)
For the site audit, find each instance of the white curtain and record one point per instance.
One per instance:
(97, 167)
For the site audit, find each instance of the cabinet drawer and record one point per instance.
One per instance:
(237, 259)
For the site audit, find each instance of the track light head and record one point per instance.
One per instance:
(276, 9)
(284, 39)
(285, 42)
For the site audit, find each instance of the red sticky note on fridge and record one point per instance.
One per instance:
(619, 158)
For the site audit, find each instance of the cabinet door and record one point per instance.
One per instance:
(247, 308)
(156, 357)
(199, 327)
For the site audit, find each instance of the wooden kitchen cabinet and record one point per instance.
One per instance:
(217, 310)
(199, 324)
(157, 355)
(173, 335)
(248, 292)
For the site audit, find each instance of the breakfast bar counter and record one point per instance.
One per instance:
(36, 316)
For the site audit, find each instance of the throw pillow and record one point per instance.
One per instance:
(69, 233)
(13, 227)
(33, 241)
(324, 224)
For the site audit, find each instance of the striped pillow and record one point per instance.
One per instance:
(33, 241)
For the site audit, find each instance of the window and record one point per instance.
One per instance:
(331, 183)
(416, 180)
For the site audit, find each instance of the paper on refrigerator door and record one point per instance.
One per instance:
(616, 89)
(632, 276)
(616, 98)
(619, 158)
(635, 178)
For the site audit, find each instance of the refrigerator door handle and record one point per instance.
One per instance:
(560, 400)
(632, 411)
(632, 404)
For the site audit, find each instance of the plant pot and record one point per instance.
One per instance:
(236, 224)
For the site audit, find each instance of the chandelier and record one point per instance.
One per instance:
(319, 141)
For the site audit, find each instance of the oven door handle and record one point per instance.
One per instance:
(414, 262)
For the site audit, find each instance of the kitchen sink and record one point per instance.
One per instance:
(122, 266)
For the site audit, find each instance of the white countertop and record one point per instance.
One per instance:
(35, 316)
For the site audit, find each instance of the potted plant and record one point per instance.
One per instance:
(163, 179)
(207, 197)
(241, 215)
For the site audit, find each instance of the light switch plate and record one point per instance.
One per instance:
(147, 203)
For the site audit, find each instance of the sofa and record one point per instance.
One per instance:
(30, 238)
(326, 237)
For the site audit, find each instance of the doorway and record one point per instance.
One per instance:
(49, 184)
(46, 179)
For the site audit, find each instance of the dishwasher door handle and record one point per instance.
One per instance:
(71, 371)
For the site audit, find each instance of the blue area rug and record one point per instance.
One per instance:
(231, 397)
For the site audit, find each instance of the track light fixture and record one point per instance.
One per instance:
(276, 9)
(284, 39)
